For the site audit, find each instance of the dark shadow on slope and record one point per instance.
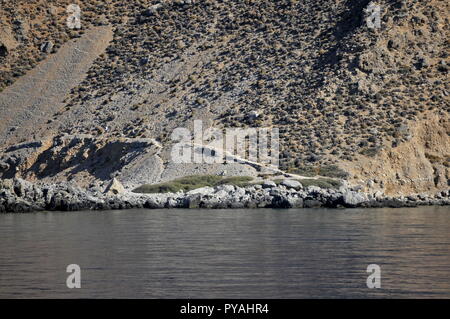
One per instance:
(348, 21)
(84, 155)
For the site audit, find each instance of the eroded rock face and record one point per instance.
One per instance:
(83, 158)
(419, 164)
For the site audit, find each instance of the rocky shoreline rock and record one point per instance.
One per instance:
(17, 196)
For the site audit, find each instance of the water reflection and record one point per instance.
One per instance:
(221, 254)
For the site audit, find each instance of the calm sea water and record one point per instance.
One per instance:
(307, 253)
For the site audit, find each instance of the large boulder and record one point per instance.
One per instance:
(289, 183)
(269, 184)
(225, 188)
(47, 47)
(201, 191)
(114, 187)
(353, 199)
(295, 202)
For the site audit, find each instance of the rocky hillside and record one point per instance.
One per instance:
(342, 94)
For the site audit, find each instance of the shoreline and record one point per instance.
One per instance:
(19, 196)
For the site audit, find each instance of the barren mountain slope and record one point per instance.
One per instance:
(340, 93)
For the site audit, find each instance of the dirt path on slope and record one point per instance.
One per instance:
(29, 103)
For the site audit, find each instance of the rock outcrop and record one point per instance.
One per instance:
(114, 188)
(17, 196)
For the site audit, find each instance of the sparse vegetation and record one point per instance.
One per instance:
(189, 183)
(332, 171)
(308, 171)
(370, 151)
(328, 171)
(321, 182)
